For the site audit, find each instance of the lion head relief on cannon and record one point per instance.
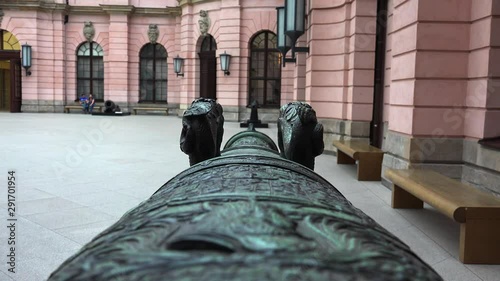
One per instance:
(300, 136)
(202, 130)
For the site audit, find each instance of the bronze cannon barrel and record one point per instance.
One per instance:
(248, 214)
(110, 107)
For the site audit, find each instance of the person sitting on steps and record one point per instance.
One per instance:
(85, 103)
(91, 104)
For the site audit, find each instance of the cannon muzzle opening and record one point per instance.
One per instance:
(110, 107)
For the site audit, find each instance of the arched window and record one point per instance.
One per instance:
(9, 41)
(265, 70)
(153, 73)
(90, 70)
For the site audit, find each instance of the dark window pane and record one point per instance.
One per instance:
(142, 90)
(258, 62)
(90, 70)
(161, 69)
(273, 65)
(272, 42)
(161, 52)
(273, 92)
(153, 73)
(147, 90)
(259, 41)
(97, 68)
(97, 50)
(147, 51)
(83, 67)
(161, 91)
(256, 91)
(265, 70)
(98, 89)
(84, 49)
(83, 87)
(147, 69)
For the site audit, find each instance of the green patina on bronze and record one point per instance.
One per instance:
(248, 214)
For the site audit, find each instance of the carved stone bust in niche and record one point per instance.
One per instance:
(153, 33)
(204, 22)
(88, 31)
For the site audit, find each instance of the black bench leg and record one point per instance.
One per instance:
(402, 199)
(343, 158)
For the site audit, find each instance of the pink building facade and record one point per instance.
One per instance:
(415, 77)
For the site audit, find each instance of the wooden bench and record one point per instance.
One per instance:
(135, 109)
(67, 108)
(369, 158)
(477, 212)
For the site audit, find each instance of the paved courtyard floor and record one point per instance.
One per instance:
(77, 174)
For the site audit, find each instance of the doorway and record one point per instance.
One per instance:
(208, 68)
(10, 83)
(10, 73)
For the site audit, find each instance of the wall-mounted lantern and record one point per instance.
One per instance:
(284, 42)
(293, 19)
(178, 66)
(225, 60)
(26, 58)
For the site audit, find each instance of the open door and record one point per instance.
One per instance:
(15, 82)
(10, 72)
(208, 75)
(208, 68)
(10, 81)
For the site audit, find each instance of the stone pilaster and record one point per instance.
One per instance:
(117, 76)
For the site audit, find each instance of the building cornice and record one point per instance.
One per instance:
(117, 9)
(37, 5)
(168, 11)
(191, 2)
(126, 9)
(85, 10)
(33, 5)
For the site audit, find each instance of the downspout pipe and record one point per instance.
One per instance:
(65, 83)
(376, 130)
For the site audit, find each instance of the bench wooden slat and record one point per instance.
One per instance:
(149, 108)
(477, 212)
(369, 158)
(355, 147)
(68, 107)
(449, 196)
(135, 109)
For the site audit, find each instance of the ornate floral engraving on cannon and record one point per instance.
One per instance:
(248, 214)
